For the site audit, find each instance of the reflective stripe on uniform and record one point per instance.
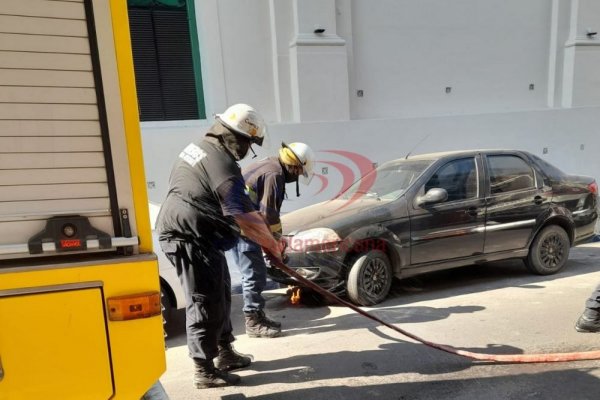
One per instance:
(252, 194)
(275, 227)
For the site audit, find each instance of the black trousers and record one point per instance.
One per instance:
(207, 285)
(592, 305)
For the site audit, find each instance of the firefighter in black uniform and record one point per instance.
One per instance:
(201, 217)
(265, 184)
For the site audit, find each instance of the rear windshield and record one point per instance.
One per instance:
(389, 181)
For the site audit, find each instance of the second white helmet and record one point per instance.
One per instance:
(246, 121)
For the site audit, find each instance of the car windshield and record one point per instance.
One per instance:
(389, 181)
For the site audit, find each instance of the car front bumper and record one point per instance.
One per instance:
(325, 269)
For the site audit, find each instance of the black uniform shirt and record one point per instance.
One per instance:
(206, 190)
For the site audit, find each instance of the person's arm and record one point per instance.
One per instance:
(236, 203)
(254, 227)
(270, 202)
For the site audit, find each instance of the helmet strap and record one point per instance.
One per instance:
(298, 187)
(253, 153)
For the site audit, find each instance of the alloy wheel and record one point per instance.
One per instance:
(552, 251)
(375, 277)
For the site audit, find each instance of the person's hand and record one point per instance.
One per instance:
(272, 259)
(273, 252)
(276, 252)
(282, 247)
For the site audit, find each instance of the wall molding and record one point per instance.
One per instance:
(582, 41)
(311, 39)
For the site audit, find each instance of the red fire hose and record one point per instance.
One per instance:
(504, 358)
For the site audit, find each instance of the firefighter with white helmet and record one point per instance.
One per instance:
(205, 210)
(265, 183)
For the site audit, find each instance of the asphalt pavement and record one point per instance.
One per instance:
(330, 352)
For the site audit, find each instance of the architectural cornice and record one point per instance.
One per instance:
(582, 41)
(311, 39)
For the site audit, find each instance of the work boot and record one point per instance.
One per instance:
(207, 376)
(258, 326)
(229, 359)
(587, 324)
(269, 321)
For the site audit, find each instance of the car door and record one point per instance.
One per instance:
(515, 198)
(453, 228)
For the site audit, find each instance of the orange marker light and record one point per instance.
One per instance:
(142, 305)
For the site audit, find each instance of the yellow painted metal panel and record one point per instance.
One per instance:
(131, 119)
(137, 346)
(54, 346)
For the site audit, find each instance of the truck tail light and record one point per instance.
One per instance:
(141, 305)
(593, 188)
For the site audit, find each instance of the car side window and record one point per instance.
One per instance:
(457, 177)
(509, 173)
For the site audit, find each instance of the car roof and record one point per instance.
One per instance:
(465, 153)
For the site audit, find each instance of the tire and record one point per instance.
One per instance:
(549, 251)
(370, 278)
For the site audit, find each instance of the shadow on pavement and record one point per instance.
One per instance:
(389, 359)
(397, 315)
(552, 385)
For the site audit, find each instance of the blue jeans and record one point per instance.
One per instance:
(248, 256)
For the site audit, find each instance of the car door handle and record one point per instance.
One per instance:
(538, 200)
(472, 211)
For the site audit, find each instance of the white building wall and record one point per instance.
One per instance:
(488, 52)
(570, 139)
(402, 54)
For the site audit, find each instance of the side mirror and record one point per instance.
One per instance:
(434, 195)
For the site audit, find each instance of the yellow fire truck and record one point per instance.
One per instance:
(79, 286)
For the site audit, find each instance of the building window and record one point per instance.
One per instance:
(166, 59)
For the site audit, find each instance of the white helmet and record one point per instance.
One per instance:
(246, 121)
(299, 154)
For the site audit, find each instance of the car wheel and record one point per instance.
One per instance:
(370, 278)
(549, 251)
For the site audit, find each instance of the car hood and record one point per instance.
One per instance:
(339, 215)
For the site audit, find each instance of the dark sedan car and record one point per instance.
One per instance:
(438, 211)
